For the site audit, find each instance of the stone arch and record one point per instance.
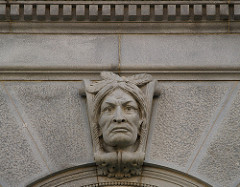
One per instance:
(86, 176)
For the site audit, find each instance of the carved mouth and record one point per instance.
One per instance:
(120, 129)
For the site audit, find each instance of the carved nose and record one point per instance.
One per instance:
(118, 117)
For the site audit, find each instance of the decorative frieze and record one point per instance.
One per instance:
(119, 11)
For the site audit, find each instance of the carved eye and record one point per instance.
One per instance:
(107, 109)
(129, 108)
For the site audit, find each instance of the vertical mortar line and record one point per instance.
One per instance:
(213, 124)
(7, 11)
(229, 13)
(74, 13)
(217, 13)
(25, 125)
(119, 54)
(47, 12)
(21, 12)
(34, 12)
(152, 13)
(112, 12)
(99, 8)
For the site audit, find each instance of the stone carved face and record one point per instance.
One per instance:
(119, 119)
(119, 109)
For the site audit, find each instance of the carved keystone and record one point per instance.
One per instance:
(119, 110)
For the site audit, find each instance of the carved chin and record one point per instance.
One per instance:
(120, 140)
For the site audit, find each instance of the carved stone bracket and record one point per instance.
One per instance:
(119, 111)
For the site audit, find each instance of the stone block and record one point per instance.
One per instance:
(20, 162)
(197, 9)
(40, 9)
(56, 114)
(54, 9)
(145, 10)
(66, 51)
(14, 10)
(93, 10)
(181, 116)
(67, 10)
(106, 10)
(172, 10)
(27, 9)
(237, 9)
(80, 10)
(221, 163)
(2, 9)
(158, 9)
(132, 10)
(211, 10)
(119, 10)
(184, 10)
(167, 51)
(224, 10)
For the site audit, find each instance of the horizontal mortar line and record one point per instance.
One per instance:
(120, 71)
(129, 69)
(219, 113)
(80, 80)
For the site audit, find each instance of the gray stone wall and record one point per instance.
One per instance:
(194, 129)
(195, 126)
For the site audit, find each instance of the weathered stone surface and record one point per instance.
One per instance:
(14, 10)
(73, 177)
(181, 115)
(18, 162)
(54, 9)
(211, 10)
(224, 10)
(106, 10)
(165, 51)
(58, 51)
(27, 9)
(221, 163)
(184, 9)
(67, 10)
(56, 114)
(197, 10)
(40, 9)
(237, 9)
(171, 10)
(2, 9)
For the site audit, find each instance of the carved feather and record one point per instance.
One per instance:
(109, 75)
(140, 79)
(96, 86)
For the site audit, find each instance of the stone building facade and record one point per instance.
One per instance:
(192, 50)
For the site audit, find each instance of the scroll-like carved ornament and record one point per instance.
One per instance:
(119, 110)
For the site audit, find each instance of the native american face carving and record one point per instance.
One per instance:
(119, 121)
(119, 114)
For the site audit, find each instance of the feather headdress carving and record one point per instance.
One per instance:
(141, 87)
(111, 81)
(110, 78)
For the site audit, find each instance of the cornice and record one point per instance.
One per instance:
(119, 11)
(119, 17)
